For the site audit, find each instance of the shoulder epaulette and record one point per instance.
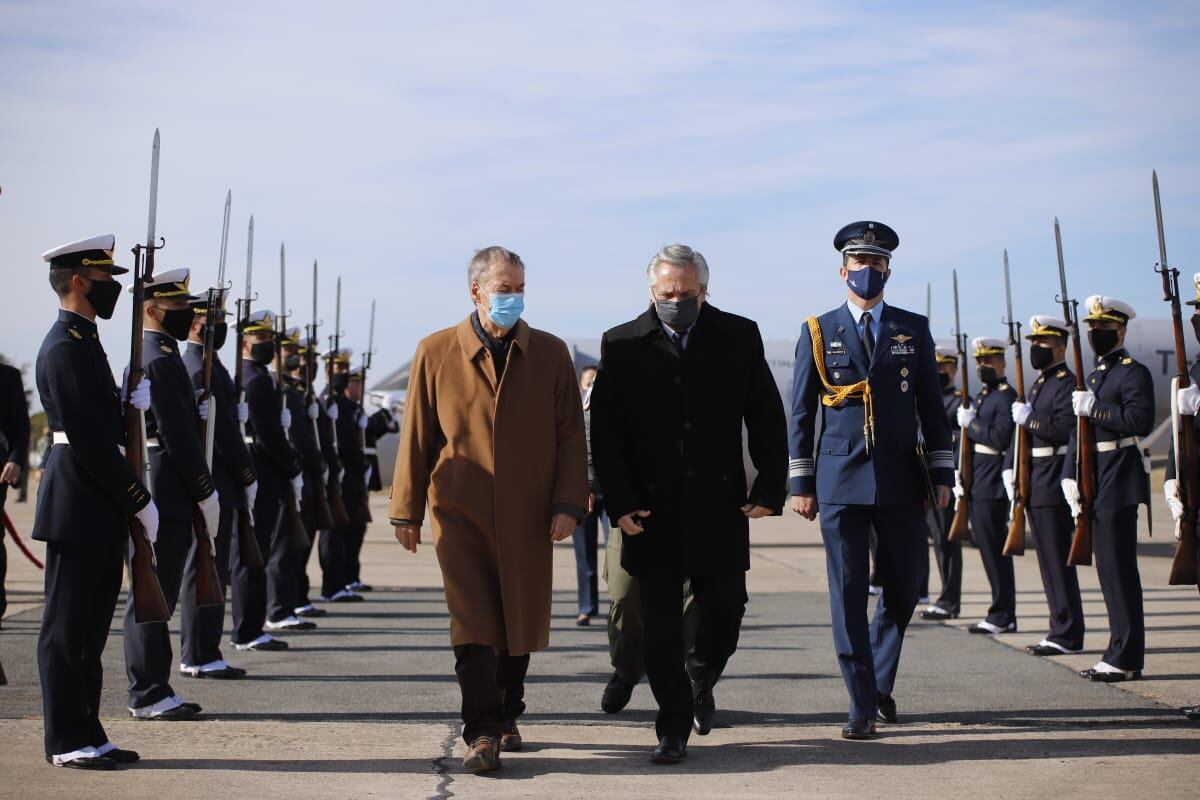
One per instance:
(1062, 373)
(75, 334)
(1127, 360)
(1002, 386)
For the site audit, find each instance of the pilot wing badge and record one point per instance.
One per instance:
(901, 346)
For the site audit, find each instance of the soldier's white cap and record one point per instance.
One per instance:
(1043, 325)
(946, 354)
(988, 346)
(200, 304)
(261, 321)
(169, 285)
(95, 251)
(356, 373)
(1196, 302)
(1104, 308)
(341, 357)
(291, 337)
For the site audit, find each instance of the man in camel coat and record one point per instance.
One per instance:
(493, 440)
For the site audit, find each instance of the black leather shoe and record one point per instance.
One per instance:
(937, 613)
(616, 695)
(1192, 713)
(887, 709)
(87, 762)
(859, 729)
(1043, 650)
(123, 756)
(993, 630)
(1096, 676)
(670, 750)
(704, 711)
(312, 612)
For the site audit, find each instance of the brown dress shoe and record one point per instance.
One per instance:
(483, 755)
(510, 740)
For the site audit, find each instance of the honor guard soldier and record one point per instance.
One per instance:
(1049, 418)
(276, 464)
(989, 426)
(14, 451)
(304, 440)
(949, 553)
(382, 423)
(182, 481)
(233, 472)
(87, 496)
(1119, 399)
(334, 578)
(352, 426)
(867, 369)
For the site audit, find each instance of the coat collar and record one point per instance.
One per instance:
(469, 341)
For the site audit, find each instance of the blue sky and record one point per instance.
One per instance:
(389, 140)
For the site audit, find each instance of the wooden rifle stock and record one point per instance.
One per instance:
(961, 523)
(1014, 544)
(208, 580)
(1085, 468)
(248, 552)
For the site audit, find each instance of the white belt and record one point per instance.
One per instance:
(1046, 452)
(987, 451)
(1116, 444)
(152, 441)
(248, 439)
(60, 437)
(369, 451)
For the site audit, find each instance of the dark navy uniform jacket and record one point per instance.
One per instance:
(904, 381)
(379, 424)
(14, 417)
(992, 427)
(301, 432)
(952, 400)
(180, 473)
(350, 450)
(1194, 371)
(88, 489)
(1050, 425)
(275, 460)
(233, 469)
(1124, 408)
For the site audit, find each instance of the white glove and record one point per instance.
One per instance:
(1021, 412)
(1070, 491)
(367, 476)
(957, 489)
(148, 516)
(251, 496)
(297, 489)
(966, 416)
(331, 410)
(1009, 483)
(243, 413)
(1083, 403)
(141, 395)
(1171, 493)
(341, 476)
(210, 507)
(285, 419)
(313, 411)
(1189, 400)
(202, 408)
(362, 420)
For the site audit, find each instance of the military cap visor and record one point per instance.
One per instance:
(1101, 308)
(946, 355)
(95, 251)
(866, 236)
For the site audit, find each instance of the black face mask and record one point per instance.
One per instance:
(262, 352)
(1102, 340)
(944, 380)
(103, 296)
(220, 332)
(679, 314)
(340, 381)
(177, 322)
(292, 362)
(987, 374)
(1041, 356)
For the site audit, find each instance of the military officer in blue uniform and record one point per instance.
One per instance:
(1119, 399)
(182, 482)
(87, 496)
(988, 425)
(236, 481)
(333, 549)
(1049, 419)
(949, 553)
(867, 370)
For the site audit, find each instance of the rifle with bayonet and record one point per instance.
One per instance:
(208, 580)
(1184, 569)
(149, 603)
(326, 431)
(966, 455)
(322, 509)
(1085, 438)
(249, 552)
(331, 396)
(1014, 545)
(365, 506)
(296, 532)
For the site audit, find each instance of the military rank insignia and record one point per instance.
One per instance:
(901, 346)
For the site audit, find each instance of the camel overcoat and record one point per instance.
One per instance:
(492, 462)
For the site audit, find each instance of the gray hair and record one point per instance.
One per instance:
(485, 259)
(679, 255)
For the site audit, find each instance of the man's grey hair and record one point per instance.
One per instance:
(484, 259)
(679, 255)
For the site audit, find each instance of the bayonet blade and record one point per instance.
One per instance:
(929, 302)
(1162, 240)
(224, 241)
(152, 224)
(314, 305)
(283, 313)
(1007, 291)
(1062, 269)
(957, 326)
(337, 319)
(249, 256)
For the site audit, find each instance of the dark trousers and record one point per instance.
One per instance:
(270, 515)
(1114, 542)
(869, 654)
(249, 589)
(82, 584)
(332, 554)
(201, 626)
(353, 535)
(675, 671)
(989, 525)
(493, 688)
(1053, 528)
(300, 558)
(148, 652)
(586, 539)
(949, 559)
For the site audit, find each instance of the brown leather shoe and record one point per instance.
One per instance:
(510, 740)
(483, 755)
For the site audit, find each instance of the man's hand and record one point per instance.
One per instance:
(1171, 495)
(966, 415)
(1071, 492)
(409, 536)
(806, 506)
(1083, 403)
(11, 474)
(148, 516)
(562, 526)
(1021, 412)
(756, 512)
(331, 410)
(631, 523)
(591, 502)
(941, 496)
(1009, 478)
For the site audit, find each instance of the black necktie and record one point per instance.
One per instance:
(677, 340)
(868, 334)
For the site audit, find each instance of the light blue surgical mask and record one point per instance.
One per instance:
(506, 309)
